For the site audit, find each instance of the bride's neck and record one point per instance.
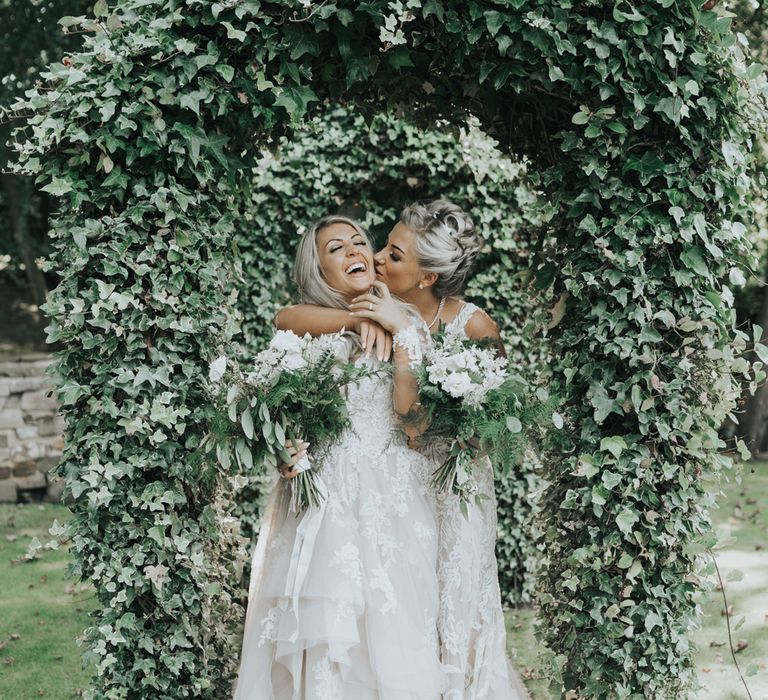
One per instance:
(426, 301)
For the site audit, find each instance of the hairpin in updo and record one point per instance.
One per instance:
(453, 233)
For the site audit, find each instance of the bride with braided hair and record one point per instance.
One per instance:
(425, 263)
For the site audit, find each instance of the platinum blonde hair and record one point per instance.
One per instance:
(446, 243)
(307, 271)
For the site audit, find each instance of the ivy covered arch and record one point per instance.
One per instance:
(637, 120)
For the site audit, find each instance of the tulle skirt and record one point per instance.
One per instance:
(343, 599)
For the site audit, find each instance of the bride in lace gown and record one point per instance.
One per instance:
(343, 599)
(425, 262)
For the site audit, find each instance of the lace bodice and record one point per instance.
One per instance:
(370, 408)
(417, 338)
(369, 401)
(458, 323)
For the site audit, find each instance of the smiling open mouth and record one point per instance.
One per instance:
(356, 268)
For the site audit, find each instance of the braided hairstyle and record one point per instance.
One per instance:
(446, 243)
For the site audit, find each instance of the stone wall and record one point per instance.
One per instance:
(30, 430)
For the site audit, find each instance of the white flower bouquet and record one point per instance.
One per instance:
(293, 390)
(469, 397)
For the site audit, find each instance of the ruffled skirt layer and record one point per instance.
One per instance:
(343, 599)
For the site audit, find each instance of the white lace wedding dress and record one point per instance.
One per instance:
(343, 599)
(386, 592)
(470, 620)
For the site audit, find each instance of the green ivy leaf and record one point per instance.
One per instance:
(58, 186)
(232, 33)
(494, 20)
(626, 519)
(581, 117)
(614, 444)
(295, 100)
(652, 620)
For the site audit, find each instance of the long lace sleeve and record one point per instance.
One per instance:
(411, 341)
(410, 346)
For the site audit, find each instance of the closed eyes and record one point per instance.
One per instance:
(338, 247)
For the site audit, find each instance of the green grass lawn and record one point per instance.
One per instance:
(42, 614)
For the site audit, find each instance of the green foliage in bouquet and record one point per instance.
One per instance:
(294, 391)
(502, 429)
(514, 419)
(469, 399)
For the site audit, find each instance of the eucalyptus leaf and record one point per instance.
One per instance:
(246, 420)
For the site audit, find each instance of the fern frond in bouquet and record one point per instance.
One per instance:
(293, 390)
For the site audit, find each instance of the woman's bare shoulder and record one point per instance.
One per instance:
(481, 325)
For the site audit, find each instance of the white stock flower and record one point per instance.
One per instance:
(318, 348)
(286, 342)
(292, 362)
(289, 347)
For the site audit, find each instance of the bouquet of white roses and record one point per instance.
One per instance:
(471, 399)
(291, 391)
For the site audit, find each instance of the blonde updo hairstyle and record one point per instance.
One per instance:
(446, 243)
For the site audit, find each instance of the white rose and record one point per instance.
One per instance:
(217, 368)
(457, 384)
(293, 361)
(286, 342)
(457, 362)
